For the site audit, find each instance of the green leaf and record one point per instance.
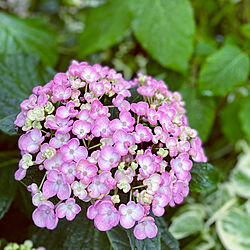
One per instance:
(186, 222)
(135, 96)
(118, 238)
(204, 177)
(240, 175)
(28, 36)
(9, 158)
(168, 242)
(77, 234)
(7, 186)
(165, 29)
(223, 71)
(19, 74)
(233, 228)
(245, 117)
(200, 111)
(230, 121)
(106, 25)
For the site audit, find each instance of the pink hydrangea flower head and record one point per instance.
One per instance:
(92, 144)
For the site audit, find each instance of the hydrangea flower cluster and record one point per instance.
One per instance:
(127, 160)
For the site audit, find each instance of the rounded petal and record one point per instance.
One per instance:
(139, 231)
(64, 191)
(127, 221)
(151, 230)
(51, 221)
(39, 217)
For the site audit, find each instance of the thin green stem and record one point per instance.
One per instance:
(40, 186)
(23, 184)
(139, 186)
(95, 146)
(84, 143)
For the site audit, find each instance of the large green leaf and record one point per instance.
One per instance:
(230, 121)
(77, 234)
(168, 242)
(204, 177)
(187, 222)
(8, 158)
(118, 238)
(245, 117)
(106, 25)
(18, 75)
(7, 186)
(165, 29)
(28, 36)
(223, 71)
(233, 228)
(200, 111)
(240, 175)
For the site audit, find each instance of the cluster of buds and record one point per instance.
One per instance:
(124, 159)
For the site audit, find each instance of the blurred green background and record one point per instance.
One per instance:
(200, 48)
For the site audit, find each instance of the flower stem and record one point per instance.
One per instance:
(84, 143)
(24, 184)
(40, 186)
(130, 195)
(97, 145)
(139, 186)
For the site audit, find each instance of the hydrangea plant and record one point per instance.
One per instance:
(127, 157)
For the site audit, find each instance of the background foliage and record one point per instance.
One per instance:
(198, 47)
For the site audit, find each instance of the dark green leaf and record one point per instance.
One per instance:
(223, 71)
(28, 36)
(105, 26)
(118, 238)
(7, 187)
(230, 121)
(78, 234)
(18, 75)
(245, 117)
(200, 111)
(135, 96)
(9, 158)
(168, 242)
(204, 177)
(165, 29)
